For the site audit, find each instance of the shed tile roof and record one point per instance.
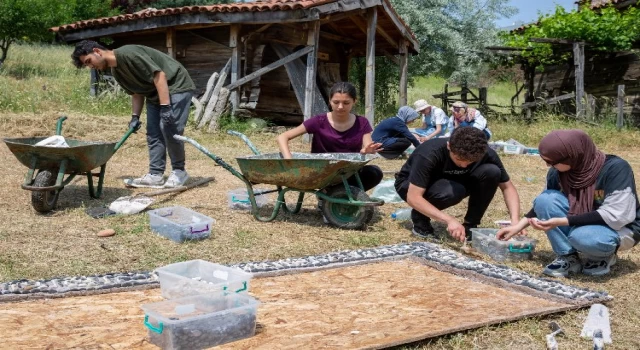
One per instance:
(257, 6)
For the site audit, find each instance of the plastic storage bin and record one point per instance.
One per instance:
(200, 321)
(180, 224)
(239, 198)
(195, 277)
(516, 249)
(514, 149)
(532, 151)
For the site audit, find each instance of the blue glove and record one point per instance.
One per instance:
(135, 123)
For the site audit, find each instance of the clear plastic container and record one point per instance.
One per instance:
(180, 224)
(200, 321)
(514, 149)
(239, 198)
(195, 277)
(517, 248)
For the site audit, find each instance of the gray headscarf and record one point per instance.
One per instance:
(407, 114)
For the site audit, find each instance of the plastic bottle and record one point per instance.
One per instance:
(402, 214)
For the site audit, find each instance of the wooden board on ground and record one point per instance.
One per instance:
(366, 306)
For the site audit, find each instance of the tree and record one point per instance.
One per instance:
(452, 36)
(30, 20)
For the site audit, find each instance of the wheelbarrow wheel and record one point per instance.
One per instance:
(347, 216)
(45, 201)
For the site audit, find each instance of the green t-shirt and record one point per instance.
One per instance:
(136, 66)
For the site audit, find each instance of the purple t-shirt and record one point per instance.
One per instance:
(326, 139)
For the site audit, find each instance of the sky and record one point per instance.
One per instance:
(528, 10)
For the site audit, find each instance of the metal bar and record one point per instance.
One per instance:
(246, 141)
(59, 125)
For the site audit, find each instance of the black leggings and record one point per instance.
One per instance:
(370, 175)
(395, 149)
(480, 186)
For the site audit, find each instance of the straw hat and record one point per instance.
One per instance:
(421, 105)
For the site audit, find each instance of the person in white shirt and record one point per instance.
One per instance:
(434, 121)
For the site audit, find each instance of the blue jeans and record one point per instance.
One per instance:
(430, 130)
(160, 134)
(598, 241)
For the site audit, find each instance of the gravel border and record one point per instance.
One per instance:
(432, 254)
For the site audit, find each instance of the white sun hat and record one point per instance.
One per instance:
(421, 105)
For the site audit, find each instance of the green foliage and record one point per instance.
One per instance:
(452, 35)
(607, 29)
(30, 20)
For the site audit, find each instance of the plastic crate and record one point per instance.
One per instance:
(239, 198)
(515, 249)
(532, 151)
(180, 224)
(195, 277)
(513, 149)
(200, 321)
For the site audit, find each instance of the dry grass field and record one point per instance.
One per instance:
(65, 243)
(34, 92)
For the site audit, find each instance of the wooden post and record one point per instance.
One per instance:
(372, 20)
(235, 64)
(404, 60)
(463, 92)
(591, 107)
(445, 98)
(93, 89)
(482, 96)
(578, 62)
(313, 37)
(171, 41)
(620, 120)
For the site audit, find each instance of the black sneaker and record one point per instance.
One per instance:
(424, 231)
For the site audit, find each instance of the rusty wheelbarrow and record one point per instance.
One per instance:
(322, 174)
(50, 164)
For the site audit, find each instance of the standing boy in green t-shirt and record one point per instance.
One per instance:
(146, 73)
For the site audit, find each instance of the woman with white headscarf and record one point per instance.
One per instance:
(394, 133)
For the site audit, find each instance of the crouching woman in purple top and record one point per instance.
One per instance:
(339, 131)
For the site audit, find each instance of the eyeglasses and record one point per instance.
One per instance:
(552, 163)
(457, 109)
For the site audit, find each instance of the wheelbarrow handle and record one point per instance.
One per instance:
(246, 140)
(123, 139)
(215, 158)
(59, 124)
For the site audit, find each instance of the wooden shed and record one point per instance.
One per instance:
(283, 55)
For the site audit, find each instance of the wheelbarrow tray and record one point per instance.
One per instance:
(305, 171)
(82, 156)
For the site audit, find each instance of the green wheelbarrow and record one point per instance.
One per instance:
(321, 174)
(50, 164)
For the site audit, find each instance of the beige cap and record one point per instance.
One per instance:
(421, 105)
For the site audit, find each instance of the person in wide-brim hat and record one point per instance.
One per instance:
(434, 120)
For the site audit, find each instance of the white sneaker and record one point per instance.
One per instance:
(177, 178)
(147, 180)
(599, 266)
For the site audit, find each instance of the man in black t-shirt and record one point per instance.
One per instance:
(442, 172)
